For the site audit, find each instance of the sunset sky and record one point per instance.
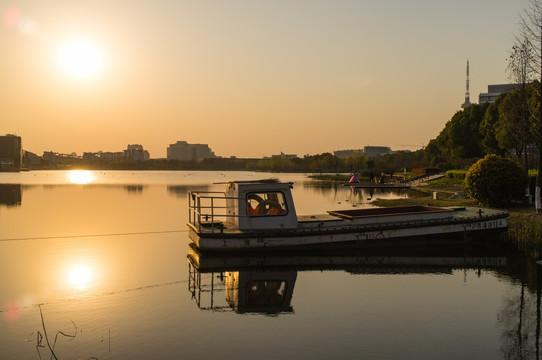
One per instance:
(250, 78)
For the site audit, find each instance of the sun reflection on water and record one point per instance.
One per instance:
(80, 276)
(81, 176)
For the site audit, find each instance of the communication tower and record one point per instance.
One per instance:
(467, 102)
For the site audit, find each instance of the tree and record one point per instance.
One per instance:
(460, 141)
(495, 181)
(488, 129)
(356, 161)
(515, 108)
(531, 31)
(433, 154)
(325, 162)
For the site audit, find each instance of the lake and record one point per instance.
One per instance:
(94, 266)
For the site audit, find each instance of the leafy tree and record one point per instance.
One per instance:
(495, 181)
(513, 127)
(460, 141)
(434, 154)
(515, 108)
(277, 164)
(488, 129)
(356, 161)
(325, 162)
(531, 32)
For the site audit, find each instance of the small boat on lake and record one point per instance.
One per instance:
(261, 215)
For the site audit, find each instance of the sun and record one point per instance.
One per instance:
(80, 58)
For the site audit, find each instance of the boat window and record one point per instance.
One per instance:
(266, 292)
(271, 203)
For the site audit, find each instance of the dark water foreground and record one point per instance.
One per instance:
(104, 270)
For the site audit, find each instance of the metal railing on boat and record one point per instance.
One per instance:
(207, 209)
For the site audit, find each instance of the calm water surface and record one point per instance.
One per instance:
(94, 265)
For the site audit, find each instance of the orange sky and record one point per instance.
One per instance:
(249, 78)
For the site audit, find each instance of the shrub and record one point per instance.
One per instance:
(495, 181)
(456, 174)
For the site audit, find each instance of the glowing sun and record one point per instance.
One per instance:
(80, 58)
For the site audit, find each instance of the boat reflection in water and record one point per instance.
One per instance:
(264, 283)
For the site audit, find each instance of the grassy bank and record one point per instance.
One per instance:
(525, 230)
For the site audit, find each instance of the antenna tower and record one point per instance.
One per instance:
(467, 102)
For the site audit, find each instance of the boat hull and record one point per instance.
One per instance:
(366, 235)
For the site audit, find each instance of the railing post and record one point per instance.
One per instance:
(190, 207)
(212, 215)
(198, 208)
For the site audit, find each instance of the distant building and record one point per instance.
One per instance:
(494, 91)
(184, 151)
(90, 156)
(373, 151)
(57, 158)
(111, 155)
(136, 153)
(31, 159)
(133, 152)
(284, 156)
(11, 153)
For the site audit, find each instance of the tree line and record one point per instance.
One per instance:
(507, 127)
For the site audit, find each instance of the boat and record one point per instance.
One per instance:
(260, 215)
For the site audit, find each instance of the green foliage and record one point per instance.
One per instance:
(488, 129)
(509, 126)
(456, 174)
(495, 181)
(460, 141)
(275, 164)
(356, 161)
(325, 162)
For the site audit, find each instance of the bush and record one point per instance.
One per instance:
(456, 174)
(495, 181)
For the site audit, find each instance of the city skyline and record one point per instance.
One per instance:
(249, 78)
(339, 153)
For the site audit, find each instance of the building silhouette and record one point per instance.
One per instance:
(373, 151)
(284, 156)
(11, 153)
(59, 158)
(184, 151)
(133, 152)
(494, 91)
(136, 153)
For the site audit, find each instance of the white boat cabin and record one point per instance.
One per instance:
(260, 205)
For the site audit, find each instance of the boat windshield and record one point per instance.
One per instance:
(264, 204)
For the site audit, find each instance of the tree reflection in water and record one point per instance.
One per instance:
(520, 315)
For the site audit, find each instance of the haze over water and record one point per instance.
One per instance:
(102, 256)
